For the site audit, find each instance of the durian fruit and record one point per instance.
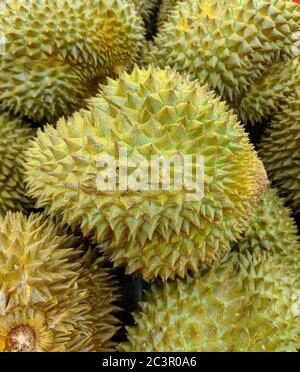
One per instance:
(226, 44)
(14, 137)
(272, 229)
(57, 51)
(147, 8)
(268, 94)
(248, 302)
(166, 7)
(52, 299)
(156, 232)
(280, 151)
(101, 297)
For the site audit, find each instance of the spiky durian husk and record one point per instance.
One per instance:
(272, 229)
(48, 294)
(280, 151)
(154, 232)
(102, 295)
(51, 89)
(58, 50)
(14, 137)
(226, 44)
(146, 7)
(166, 7)
(248, 302)
(268, 94)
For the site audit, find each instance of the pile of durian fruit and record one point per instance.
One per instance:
(80, 79)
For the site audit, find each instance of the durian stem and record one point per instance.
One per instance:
(21, 339)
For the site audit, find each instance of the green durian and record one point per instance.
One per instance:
(14, 137)
(226, 44)
(154, 232)
(248, 302)
(272, 229)
(57, 51)
(268, 94)
(53, 298)
(280, 151)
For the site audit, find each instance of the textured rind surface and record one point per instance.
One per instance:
(226, 44)
(14, 137)
(146, 7)
(267, 95)
(248, 302)
(272, 229)
(102, 295)
(156, 233)
(57, 51)
(280, 151)
(166, 7)
(46, 283)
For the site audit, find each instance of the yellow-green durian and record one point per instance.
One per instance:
(268, 94)
(160, 232)
(272, 229)
(280, 151)
(226, 44)
(52, 297)
(56, 52)
(248, 302)
(14, 137)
